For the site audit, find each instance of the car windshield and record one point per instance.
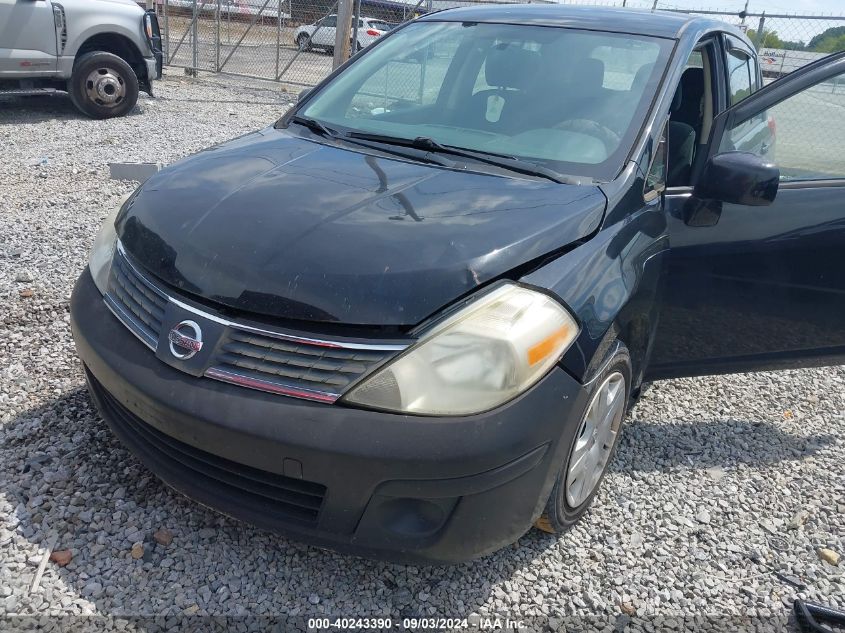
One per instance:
(566, 99)
(381, 26)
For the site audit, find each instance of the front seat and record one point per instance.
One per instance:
(588, 98)
(692, 105)
(681, 138)
(509, 71)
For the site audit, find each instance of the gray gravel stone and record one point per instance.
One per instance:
(24, 276)
(748, 451)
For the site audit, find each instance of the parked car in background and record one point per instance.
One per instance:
(322, 33)
(407, 320)
(101, 52)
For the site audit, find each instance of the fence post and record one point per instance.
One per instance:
(194, 50)
(761, 40)
(217, 39)
(356, 19)
(342, 32)
(167, 31)
(278, 34)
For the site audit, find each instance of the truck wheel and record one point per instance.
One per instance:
(591, 447)
(102, 85)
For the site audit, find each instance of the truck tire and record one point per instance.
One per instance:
(102, 85)
(590, 447)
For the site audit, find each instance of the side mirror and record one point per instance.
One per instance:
(739, 178)
(303, 94)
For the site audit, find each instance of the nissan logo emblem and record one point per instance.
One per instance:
(185, 340)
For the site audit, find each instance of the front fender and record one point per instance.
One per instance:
(612, 285)
(87, 19)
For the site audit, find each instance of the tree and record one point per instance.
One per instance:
(831, 44)
(771, 39)
(827, 41)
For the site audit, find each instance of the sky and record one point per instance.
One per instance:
(827, 7)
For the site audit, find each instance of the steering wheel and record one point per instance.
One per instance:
(592, 128)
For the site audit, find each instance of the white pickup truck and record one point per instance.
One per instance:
(102, 52)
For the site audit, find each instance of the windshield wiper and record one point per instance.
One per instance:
(406, 151)
(314, 125)
(491, 158)
(319, 128)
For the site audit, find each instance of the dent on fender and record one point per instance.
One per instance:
(611, 284)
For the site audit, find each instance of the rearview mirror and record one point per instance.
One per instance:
(739, 178)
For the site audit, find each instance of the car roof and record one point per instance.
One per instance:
(617, 19)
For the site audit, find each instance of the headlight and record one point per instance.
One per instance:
(99, 261)
(475, 359)
(148, 26)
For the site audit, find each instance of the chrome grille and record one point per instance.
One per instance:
(319, 371)
(135, 301)
(244, 354)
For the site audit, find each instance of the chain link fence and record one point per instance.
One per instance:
(293, 41)
(282, 40)
(786, 42)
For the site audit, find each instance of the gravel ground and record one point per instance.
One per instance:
(722, 493)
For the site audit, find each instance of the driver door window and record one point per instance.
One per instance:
(691, 115)
(803, 135)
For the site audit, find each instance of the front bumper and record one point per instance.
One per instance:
(389, 486)
(154, 67)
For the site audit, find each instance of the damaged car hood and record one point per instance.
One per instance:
(278, 225)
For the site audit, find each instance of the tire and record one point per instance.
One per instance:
(103, 86)
(303, 42)
(568, 502)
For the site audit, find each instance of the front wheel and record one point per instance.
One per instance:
(102, 85)
(591, 448)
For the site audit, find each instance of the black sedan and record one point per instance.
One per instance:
(407, 320)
